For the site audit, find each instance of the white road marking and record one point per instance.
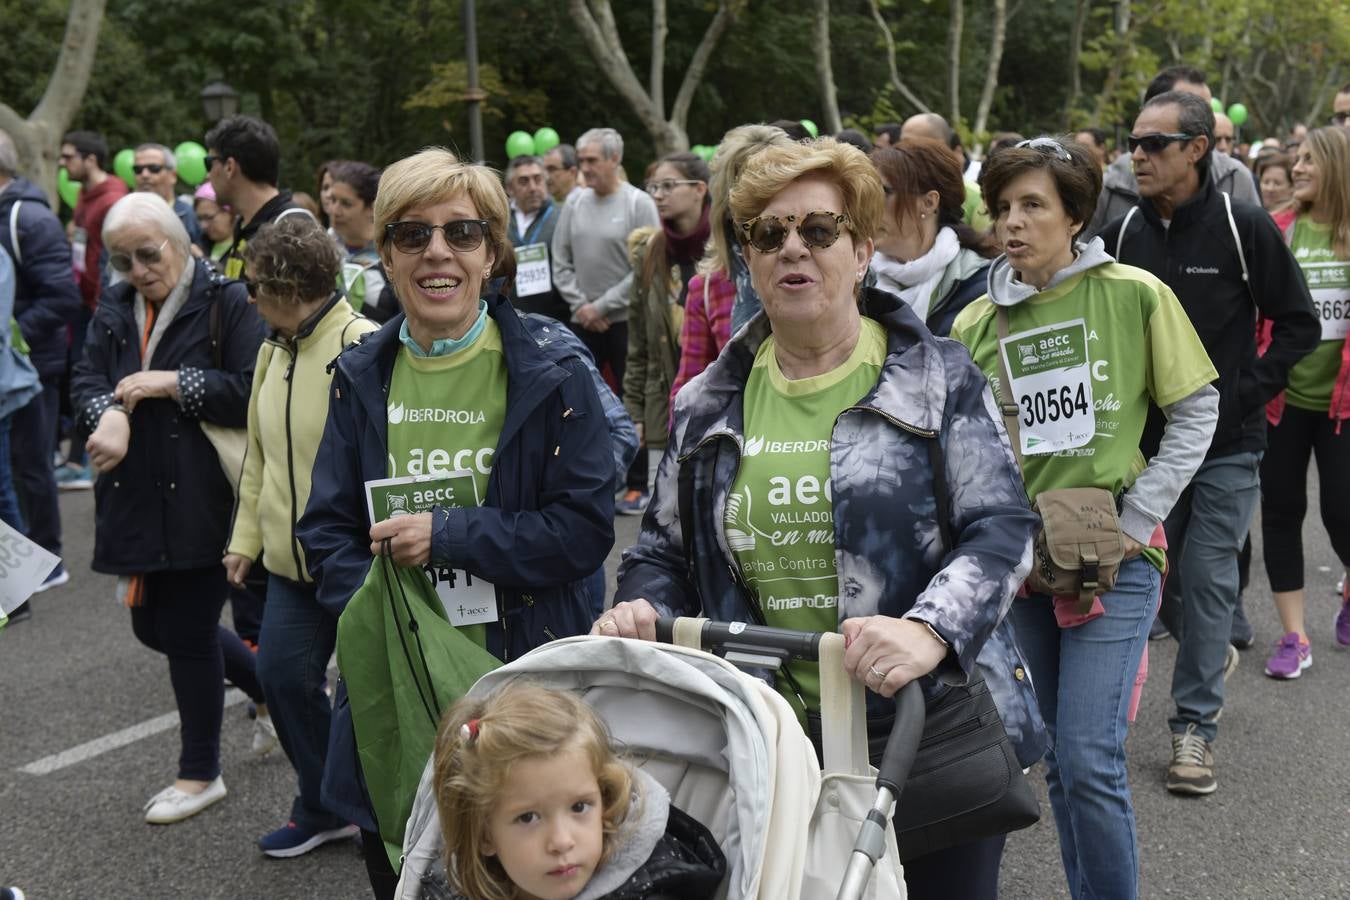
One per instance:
(99, 746)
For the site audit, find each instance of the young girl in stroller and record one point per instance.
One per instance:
(535, 803)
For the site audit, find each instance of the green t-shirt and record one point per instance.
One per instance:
(445, 415)
(1313, 377)
(1086, 356)
(779, 520)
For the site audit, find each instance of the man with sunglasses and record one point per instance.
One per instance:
(156, 171)
(1228, 264)
(243, 158)
(46, 300)
(1120, 190)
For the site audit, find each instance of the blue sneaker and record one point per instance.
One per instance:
(74, 478)
(295, 840)
(632, 503)
(58, 577)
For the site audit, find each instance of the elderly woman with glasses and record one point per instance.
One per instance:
(816, 457)
(1077, 348)
(456, 392)
(170, 352)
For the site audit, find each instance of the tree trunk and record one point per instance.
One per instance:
(820, 49)
(955, 26)
(1123, 50)
(38, 138)
(1075, 55)
(991, 71)
(595, 20)
(890, 59)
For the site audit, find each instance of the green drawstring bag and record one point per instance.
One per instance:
(404, 665)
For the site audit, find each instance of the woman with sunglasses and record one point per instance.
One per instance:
(808, 455)
(1308, 419)
(456, 396)
(292, 268)
(926, 253)
(170, 350)
(663, 261)
(1088, 344)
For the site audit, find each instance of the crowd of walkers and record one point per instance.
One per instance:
(851, 384)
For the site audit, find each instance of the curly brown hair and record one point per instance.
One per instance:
(295, 259)
(1078, 180)
(523, 720)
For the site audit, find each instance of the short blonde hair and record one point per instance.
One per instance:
(521, 721)
(435, 175)
(737, 146)
(772, 169)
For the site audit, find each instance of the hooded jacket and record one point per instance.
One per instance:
(46, 298)
(1197, 257)
(166, 506)
(1120, 191)
(889, 550)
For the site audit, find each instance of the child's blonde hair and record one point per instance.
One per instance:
(521, 721)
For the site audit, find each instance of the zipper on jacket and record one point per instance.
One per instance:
(290, 461)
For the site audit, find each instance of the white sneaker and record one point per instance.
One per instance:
(264, 735)
(172, 805)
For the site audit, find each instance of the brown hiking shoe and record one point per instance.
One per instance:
(1192, 768)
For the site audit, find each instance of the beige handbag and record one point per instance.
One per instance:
(1080, 546)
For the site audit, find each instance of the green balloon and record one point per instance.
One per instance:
(1238, 113)
(122, 163)
(811, 127)
(707, 152)
(69, 190)
(191, 158)
(1216, 104)
(519, 143)
(545, 139)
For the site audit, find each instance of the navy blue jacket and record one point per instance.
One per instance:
(167, 505)
(547, 522)
(47, 299)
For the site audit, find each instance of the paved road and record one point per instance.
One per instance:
(1278, 827)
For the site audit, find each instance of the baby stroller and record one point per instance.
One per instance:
(731, 753)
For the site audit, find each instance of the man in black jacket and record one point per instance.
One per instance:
(1228, 264)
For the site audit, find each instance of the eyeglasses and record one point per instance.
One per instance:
(463, 235)
(210, 161)
(147, 256)
(1155, 142)
(1339, 118)
(152, 168)
(1045, 143)
(818, 230)
(257, 286)
(657, 188)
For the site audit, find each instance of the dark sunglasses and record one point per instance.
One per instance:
(152, 168)
(1155, 143)
(462, 235)
(147, 256)
(818, 230)
(1054, 147)
(1339, 118)
(210, 161)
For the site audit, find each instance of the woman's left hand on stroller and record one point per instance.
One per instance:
(630, 619)
(886, 653)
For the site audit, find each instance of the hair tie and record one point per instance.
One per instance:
(468, 732)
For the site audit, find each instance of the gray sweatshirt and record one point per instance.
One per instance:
(1190, 421)
(590, 248)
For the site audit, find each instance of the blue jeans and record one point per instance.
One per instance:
(1084, 677)
(9, 500)
(32, 442)
(297, 639)
(1205, 531)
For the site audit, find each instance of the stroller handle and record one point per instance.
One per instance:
(903, 744)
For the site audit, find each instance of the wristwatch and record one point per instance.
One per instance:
(933, 631)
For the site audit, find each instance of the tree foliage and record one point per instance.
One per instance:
(351, 78)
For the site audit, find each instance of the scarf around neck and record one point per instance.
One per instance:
(916, 280)
(165, 313)
(689, 248)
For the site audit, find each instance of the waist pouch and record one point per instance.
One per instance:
(966, 782)
(1080, 545)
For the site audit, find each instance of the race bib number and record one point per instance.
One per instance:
(1329, 284)
(79, 243)
(467, 599)
(1052, 383)
(532, 272)
(23, 566)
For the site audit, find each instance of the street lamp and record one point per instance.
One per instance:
(219, 100)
